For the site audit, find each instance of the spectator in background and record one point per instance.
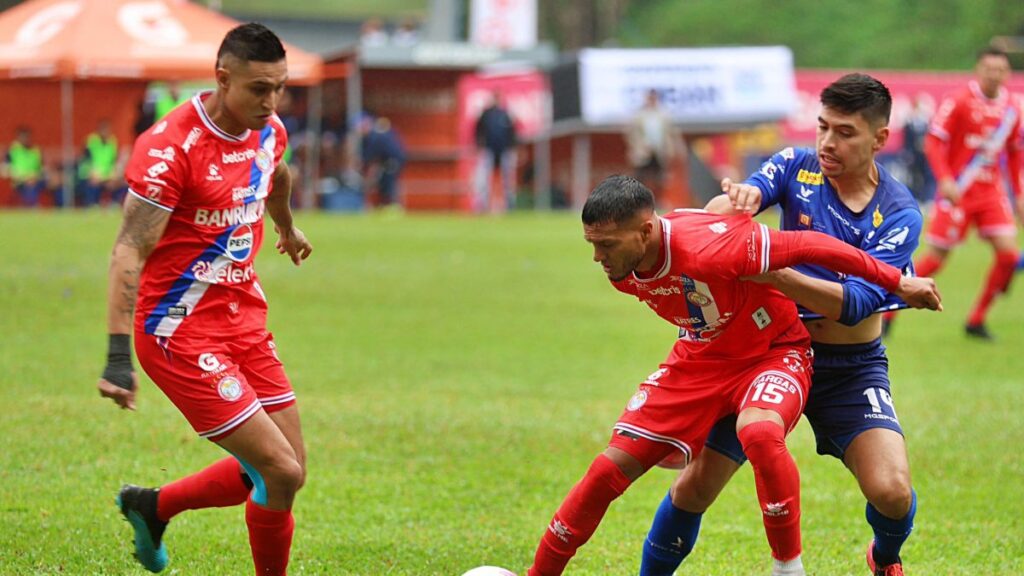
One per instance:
(168, 100)
(24, 166)
(407, 33)
(98, 167)
(383, 158)
(922, 182)
(650, 144)
(496, 141)
(372, 33)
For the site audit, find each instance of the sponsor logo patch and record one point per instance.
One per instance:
(191, 139)
(239, 245)
(165, 154)
(157, 169)
(812, 178)
(208, 362)
(238, 156)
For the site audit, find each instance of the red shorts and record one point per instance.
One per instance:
(678, 404)
(217, 384)
(949, 222)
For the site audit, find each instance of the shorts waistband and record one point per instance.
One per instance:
(847, 349)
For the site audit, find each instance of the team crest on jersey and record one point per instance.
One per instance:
(263, 160)
(229, 388)
(698, 299)
(805, 220)
(239, 245)
(876, 218)
(637, 401)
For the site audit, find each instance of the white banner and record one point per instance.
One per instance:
(698, 86)
(503, 23)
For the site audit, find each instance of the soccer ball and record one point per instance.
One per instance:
(489, 571)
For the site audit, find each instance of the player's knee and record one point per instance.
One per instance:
(762, 441)
(891, 495)
(692, 497)
(1007, 258)
(284, 476)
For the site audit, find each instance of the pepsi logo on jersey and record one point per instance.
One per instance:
(239, 244)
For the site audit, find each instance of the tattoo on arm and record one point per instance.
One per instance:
(142, 227)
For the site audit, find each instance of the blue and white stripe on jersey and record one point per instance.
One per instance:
(187, 290)
(259, 177)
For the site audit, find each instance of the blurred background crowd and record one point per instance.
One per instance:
(481, 105)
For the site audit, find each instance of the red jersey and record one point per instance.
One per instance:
(698, 286)
(200, 277)
(967, 137)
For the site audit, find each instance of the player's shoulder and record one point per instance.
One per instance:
(894, 197)
(180, 130)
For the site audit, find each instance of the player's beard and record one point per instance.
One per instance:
(628, 267)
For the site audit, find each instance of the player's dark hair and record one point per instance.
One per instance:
(251, 42)
(859, 93)
(991, 51)
(617, 199)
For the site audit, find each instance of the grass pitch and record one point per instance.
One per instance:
(456, 376)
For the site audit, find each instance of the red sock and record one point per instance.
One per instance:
(999, 277)
(927, 265)
(216, 486)
(578, 516)
(270, 537)
(778, 486)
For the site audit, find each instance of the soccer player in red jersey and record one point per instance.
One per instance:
(964, 146)
(742, 350)
(182, 278)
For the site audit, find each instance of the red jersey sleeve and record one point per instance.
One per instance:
(938, 139)
(157, 170)
(786, 249)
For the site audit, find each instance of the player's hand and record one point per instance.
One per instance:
(123, 397)
(293, 243)
(1019, 205)
(744, 197)
(920, 293)
(949, 190)
(770, 277)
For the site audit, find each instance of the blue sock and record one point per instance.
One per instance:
(672, 536)
(1020, 263)
(890, 534)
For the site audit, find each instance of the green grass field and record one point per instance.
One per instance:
(456, 376)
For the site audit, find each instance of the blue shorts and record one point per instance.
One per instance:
(849, 394)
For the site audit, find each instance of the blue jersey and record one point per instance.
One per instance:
(888, 228)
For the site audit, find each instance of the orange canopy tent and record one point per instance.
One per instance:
(66, 64)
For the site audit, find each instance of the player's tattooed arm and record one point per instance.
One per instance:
(141, 229)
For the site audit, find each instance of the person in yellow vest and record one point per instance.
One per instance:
(98, 168)
(169, 100)
(24, 166)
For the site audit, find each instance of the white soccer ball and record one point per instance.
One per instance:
(489, 571)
